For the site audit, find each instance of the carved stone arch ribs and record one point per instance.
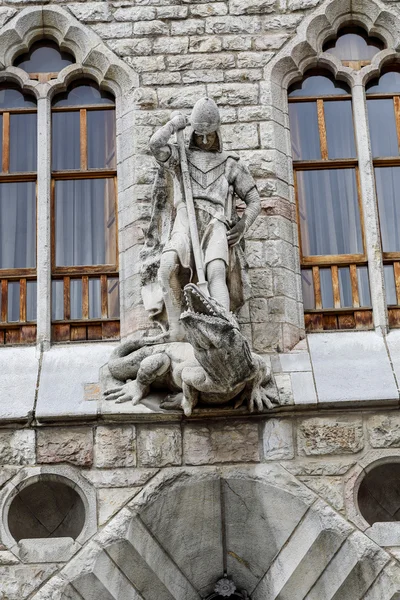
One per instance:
(282, 543)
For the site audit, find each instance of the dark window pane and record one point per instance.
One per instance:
(17, 225)
(388, 192)
(354, 46)
(76, 298)
(387, 83)
(339, 129)
(390, 285)
(101, 139)
(326, 288)
(113, 297)
(382, 127)
(346, 298)
(31, 300)
(94, 298)
(44, 57)
(363, 286)
(318, 85)
(57, 300)
(23, 143)
(65, 141)
(83, 93)
(304, 130)
(307, 283)
(1, 145)
(11, 98)
(85, 222)
(329, 213)
(13, 301)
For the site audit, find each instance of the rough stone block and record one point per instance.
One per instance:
(209, 9)
(205, 44)
(112, 500)
(233, 24)
(171, 45)
(278, 439)
(21, 581)
(116, 478)
(71, 445)
(320, 436)
(91, 11)
(188, 27)
(240, 136)
(159, 445)
(150, 28)
(251, 7)
(384, 534)
(17, 447)
(115, 446)
(384, 431)
(234, 93)
(6, 14)
(172, 12)
(220, 443)
(113, 31)
(181, 97)
(328, 488)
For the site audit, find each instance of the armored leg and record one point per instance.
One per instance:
(216, 277)
(168, 276)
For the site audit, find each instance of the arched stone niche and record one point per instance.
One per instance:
(260, 527)
(47, 513)
(303, 52)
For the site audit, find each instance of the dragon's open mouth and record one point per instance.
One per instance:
(197, 303)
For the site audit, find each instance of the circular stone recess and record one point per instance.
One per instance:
(379, 494)
(47, 508)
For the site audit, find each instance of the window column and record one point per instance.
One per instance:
(369, 205)
(44, 225)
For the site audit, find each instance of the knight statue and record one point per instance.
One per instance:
(194, 275)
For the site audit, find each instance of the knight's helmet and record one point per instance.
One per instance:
(205, 119)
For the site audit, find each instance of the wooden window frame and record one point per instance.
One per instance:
(21, 331)
(84, 329)
(319, 318)
(390, 258)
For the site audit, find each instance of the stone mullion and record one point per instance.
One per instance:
(44, 224)
(370, 209)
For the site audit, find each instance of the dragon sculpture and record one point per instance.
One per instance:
(213, 367)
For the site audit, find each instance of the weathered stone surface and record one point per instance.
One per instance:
(278, 439)
(6, 14)
(91, 11)
(220, 443)
(385, 534)
(17, 447)
(159, 446)
(115, 446)
(7, 558)
(238, 7)
(112, 500)
(384, 431)
(18, 582)
(319, 436)
(47, 550)
(116, 478)
(328, 488)
(321, 467)
(72, 445)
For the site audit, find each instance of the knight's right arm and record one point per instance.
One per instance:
(159, 140)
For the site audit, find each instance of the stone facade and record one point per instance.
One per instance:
(171, 503)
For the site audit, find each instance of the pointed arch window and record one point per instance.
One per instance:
(333, 258)
(85, 298)
(354, 47)
(18, 126)
(44, 60)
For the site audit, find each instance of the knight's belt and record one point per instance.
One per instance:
(205, 206)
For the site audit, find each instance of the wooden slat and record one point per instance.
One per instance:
(396, 101)
(92, 174)
(85, 297)
(67, 298)
(363, 319)
(396, 269)
(317, 288)
(22, 300)
(61, 332)
(322, 129)
(329, 322)
(4, 300)
(346, 321)
(333, 259)
(28, 334)
(354, 286)
(94, 332)
(93, 107)
(83, 139)
(335, 286)
(313, 322)
(6, 143)
(324, 97)
(78, 333)
(110, 330)
(104, 296)
(336, 163)
(86, 270)
(13, 336)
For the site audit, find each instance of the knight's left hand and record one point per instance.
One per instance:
(235, 234)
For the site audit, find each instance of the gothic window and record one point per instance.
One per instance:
(333, 258)
(18, 126)
(84, 248)
(44, 60)
(353, 47)
(383, 103)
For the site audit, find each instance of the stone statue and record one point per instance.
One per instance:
(195, 236)
(215, 177)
